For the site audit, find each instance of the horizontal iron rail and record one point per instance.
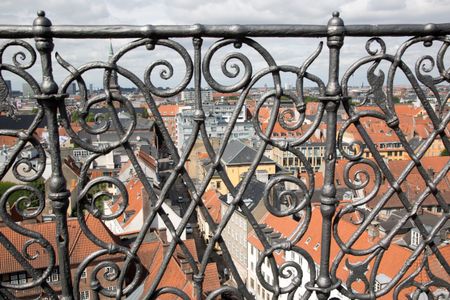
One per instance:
(216, 31)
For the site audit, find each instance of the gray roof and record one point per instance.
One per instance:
(252, 194)
(428, 220)
(21, 122)
(383, 278)
(237, 153)
(254, 191)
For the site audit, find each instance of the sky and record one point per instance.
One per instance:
(285, 51)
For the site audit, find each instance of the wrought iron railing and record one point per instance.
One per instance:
(333, 93)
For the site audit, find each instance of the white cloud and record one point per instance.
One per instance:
(285, 51)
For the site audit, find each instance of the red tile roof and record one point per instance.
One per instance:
(211, 281)
(413, 186)
(174, 276)
(147, 159)
(136, 192)
(390, 264)
(168, 110)
(79, 244)
(7, 140)
(212, 203)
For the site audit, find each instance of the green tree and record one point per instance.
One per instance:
(445, 152)
(145, 114)
(310, 99)
(75, 116)
(90, 117)
(38, 184)
(100, 200)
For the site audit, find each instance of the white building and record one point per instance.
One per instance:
(217, 121)
(279, 230)
(188, 96)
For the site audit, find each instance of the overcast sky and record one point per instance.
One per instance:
(285, 51)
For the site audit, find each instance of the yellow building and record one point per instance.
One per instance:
(237, 159)
(436, 148)
(388, 146)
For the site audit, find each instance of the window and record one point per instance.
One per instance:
(14, 279)
(84, 295)
(316, 246)
(377, 286)
(415, 238)
(84, 274)
(55, 275)
(308, 240)
(112, 288)
(22, 278)
(109, 272)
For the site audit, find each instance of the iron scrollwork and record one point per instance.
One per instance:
(287, 109)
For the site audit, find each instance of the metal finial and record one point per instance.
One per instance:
(111, 50)
(41, 19)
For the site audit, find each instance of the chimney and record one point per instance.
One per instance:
(373, 230)
(186, 268)
(163, 235)
(262, 176)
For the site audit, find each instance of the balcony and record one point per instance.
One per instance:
(138, 212)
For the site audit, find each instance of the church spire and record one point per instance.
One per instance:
(113, 82)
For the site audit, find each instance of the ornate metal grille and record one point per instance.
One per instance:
(334, 93)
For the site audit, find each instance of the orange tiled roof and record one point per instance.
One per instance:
(212, 203)
(7, 140)
(168, 110)
(135, 190)
(211, 281)
(79, 244)
(311, 242)
(147, 159)
(413, 186)
(173, 275)
(407, 109)
(225, 95)
(202, 155)
(95, 174)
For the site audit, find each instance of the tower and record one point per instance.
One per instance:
(113, 83)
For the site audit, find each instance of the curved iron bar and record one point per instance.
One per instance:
(51, 96)
(392, 121)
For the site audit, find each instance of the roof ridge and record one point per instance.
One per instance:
(77, 237)
(156, 253)
(237, 152)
